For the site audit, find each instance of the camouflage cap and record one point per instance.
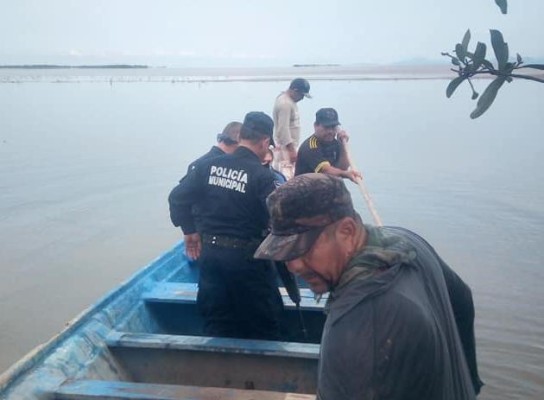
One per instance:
(299, 211)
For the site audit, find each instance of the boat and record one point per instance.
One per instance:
(144, 340)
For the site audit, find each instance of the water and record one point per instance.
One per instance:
(86, 167)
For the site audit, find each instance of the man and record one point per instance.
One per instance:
(287, 125)
(325, 150)
(267, 163)
(227, 142)
(400, 321)
(237, 295)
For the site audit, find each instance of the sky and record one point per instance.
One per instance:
(245, 32)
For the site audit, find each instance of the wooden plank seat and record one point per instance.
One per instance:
(217, 362)
(185, 293)
(115, 390)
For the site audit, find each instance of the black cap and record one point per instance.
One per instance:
(299, 211)
(257, 123)
(327, 117)
(302, 86)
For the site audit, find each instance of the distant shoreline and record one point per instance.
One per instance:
(121, 73)
(55, 66)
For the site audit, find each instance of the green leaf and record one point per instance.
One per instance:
(453, 85)
(488, 65)
(466, 40)
(474, 95)
(460, 51)
(479, 55)
(503, 5)
(455, 61)
(487, 97)
(520, 60)
(500, 48)
(535, 66)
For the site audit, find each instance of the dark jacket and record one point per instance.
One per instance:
(230, 191)
(215, 151)
(391, 330)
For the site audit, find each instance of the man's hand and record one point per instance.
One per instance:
(353, 175)
(193, 246)
(291, 152)
(342, 136)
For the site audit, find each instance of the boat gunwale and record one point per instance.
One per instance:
(35, 357)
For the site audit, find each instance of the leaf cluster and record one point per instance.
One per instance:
(469, 64)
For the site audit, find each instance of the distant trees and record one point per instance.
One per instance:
(469, 64)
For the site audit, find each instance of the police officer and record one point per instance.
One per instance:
(238, 295)
(227, 142)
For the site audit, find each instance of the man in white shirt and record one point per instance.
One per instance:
(287, 125)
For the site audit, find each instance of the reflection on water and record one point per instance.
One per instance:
(85, 169)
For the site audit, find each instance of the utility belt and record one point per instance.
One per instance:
(230, 242)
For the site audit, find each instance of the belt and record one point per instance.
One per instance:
(229, 241)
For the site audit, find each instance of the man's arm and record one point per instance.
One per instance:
(463, 310)
(282, 124)
(343, 159)
(350, 174)
(181, 201)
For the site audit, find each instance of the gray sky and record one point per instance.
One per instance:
(238, 32)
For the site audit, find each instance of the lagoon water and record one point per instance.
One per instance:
(86, 168)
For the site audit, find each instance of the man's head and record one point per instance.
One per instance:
(326, 123)
(314, 228)
(257, 132)
(229, 138)
(298, 89)
(268, 158)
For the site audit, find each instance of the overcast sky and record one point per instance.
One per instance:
(277, 32)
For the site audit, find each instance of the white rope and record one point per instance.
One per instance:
(364, 191)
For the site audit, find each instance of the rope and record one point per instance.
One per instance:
(364, 191)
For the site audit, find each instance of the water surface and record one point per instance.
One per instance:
(86, 168)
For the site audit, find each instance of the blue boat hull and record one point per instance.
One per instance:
(145, 340)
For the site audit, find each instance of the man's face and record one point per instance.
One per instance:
(296, 96)
(268, 158)
(325, 133)
(263, 148)
(323, 264)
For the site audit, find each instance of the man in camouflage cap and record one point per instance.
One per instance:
(392, 329)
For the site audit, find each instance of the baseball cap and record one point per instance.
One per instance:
(327, 117)
(302, 86)
(300, 210)
(257, 123)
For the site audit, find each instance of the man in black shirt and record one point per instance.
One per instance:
(325, 150)
(238, 295)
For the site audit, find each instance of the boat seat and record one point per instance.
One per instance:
(115, 390)
(213, 344)
(216, 362)
(185, 293)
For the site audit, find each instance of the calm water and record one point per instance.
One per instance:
(85, 170)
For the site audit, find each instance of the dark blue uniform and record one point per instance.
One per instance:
(214, 152)
(238, 295)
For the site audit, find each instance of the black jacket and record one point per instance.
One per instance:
(393, 331)
(230, 191)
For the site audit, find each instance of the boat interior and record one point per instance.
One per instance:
(145, 341)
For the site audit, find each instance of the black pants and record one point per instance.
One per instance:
(238, 295)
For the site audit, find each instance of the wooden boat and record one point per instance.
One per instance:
(144, 341)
